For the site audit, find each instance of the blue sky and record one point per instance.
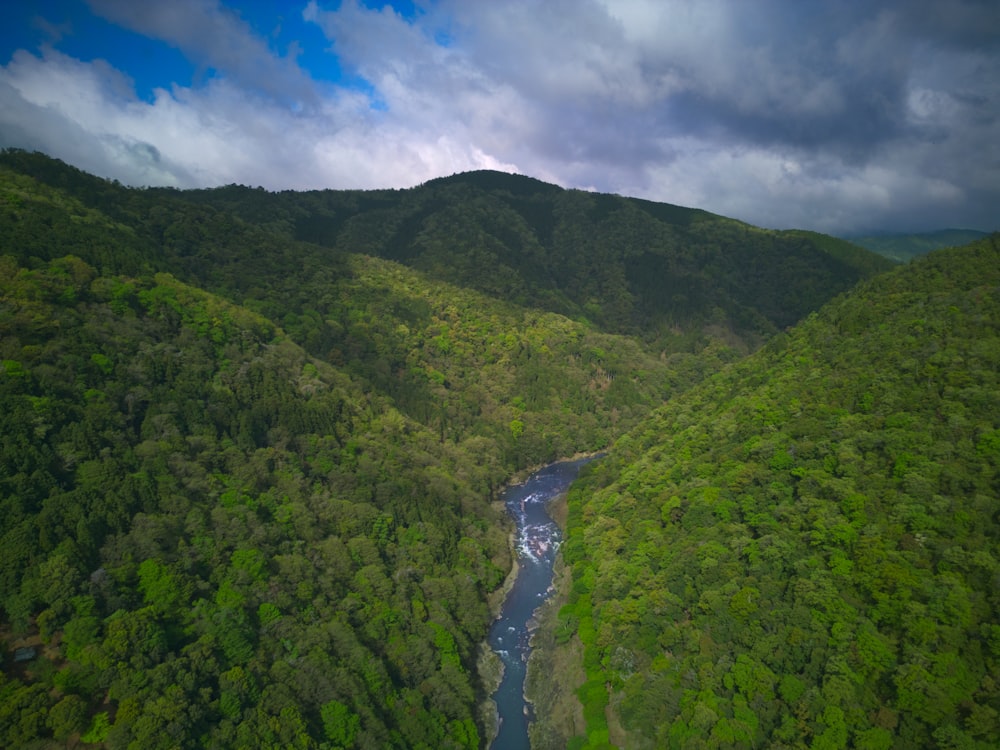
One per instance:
(838, 117)
(72, 27)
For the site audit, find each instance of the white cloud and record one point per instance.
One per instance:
(216, 134)
(854, 125)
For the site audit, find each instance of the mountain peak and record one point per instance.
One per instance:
(490, 179)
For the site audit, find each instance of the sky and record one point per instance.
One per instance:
(841, 116)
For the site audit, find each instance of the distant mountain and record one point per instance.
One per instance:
(677, 277)
(624, 265)
(804, 550)
(905, 247)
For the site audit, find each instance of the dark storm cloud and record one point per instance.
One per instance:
(835, 116)
(805, 79)
(963, 24)
(839, 78)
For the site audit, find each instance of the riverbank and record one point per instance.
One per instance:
(489, 666)
(515, 608)
(555, 669)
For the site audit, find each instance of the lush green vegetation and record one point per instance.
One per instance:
(675, 277)
(247, 457)
(460, 363)
(905, 247)
(804, 551)
(273, 545)
(220, 541)
(662, 272)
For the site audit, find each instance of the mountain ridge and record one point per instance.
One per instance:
(233, 456)
(903, 247)
(625, 265)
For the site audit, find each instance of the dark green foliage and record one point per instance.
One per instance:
(246, 464)
(675, 276)
(803, 551)
(627, 266)
(226, 539)
(217, 530)
(905, 247)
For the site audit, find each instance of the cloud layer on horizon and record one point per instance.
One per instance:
(835, 117)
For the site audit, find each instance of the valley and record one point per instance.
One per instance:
(253, 445)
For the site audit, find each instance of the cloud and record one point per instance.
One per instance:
(961, 24)
(214, 37)
(75, 111)
(829, 116)
(219, 133)
(815, 191)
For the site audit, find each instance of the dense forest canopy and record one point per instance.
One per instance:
(670, 275)
(268, 520)
(250, 440)
(222, 541)
(625, 265)
(804, 550)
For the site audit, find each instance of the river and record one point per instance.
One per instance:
(538, 539)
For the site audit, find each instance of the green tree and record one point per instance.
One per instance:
(340, 724)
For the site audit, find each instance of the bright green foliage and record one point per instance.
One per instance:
(214, 533)
(159, 586)
(339, 725)
(223, 532)
(247, 459)
(98, 730)
(803, 550)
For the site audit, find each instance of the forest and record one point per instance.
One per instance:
(252, 444)
(906, 247)
(804, 549)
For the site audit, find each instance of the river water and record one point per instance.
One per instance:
(538, 540)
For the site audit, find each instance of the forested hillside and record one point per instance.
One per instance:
(906, 247)
(461, 363)
(804, 551)
(246, 478)
(220, 541)
(675, 277)
(213, 537)
(662, 272)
